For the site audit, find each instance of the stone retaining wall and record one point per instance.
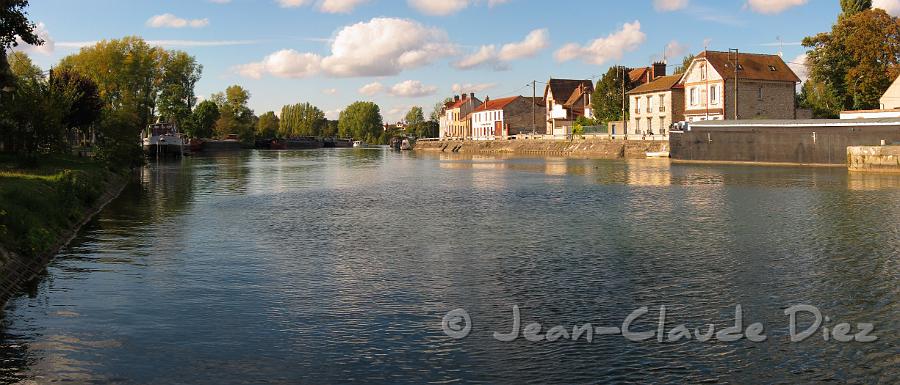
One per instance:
(874, 158)
(582, 148)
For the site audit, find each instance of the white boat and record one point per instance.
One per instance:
(658, 154)
(405, 146)
(162, 139)
(359, 144)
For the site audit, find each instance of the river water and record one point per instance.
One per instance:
(338, 266)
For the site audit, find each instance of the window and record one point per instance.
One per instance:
(693, 96)
(649, 126)
(772, 68)
(714, 94)
(649, 104)
(637, 105)
(662, 102)
(703, 72)
(760, 96)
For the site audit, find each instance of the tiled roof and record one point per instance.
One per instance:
(752, 66)
(496, 104)
(637, 74)
(563, 89)
(664, 83)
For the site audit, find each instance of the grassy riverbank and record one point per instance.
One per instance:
(41, 202)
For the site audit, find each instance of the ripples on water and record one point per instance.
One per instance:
(337, 266)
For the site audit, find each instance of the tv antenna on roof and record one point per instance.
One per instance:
(780, 46)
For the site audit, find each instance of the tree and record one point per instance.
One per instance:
(415, 120)
(202, 122)
(15, 26)
(22, 67)
(852, 66)
(86, 106)
(438, 110)
(685, 63)
(176, 96)
(330, 129)
(301, 119)
(267, 126)
(361, 121)
(607, 99)
(852, 7)
(34, 119)
(234, 115)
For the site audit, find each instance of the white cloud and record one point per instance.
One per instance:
(469, 87)
(771, 7)
(330, 91)
(412, 89)
(168, 20)
(535, 42)
(292, 3)
(494, 3)
(332, 114)
(892, 7)
(385, 46)
(382, 47)
(339, 6)
(669, 5)
(604, 49)
(45, 49)
(486, 54)
(439, 7)
(798, 65)
(371, 89)
(675, 50)
(286, 63)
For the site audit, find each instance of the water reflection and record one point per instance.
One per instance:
(336, 266)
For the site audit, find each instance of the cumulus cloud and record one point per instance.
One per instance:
(330, 91)
(604, 49)
(412, 89)
(669, 5)
(438, 7)
(380, 47)
(469, 87)
(292, 3)
(488, 55)
(371, 89)
(168, 20)
(286, 63)
(798, 65)
(771, 7)
(339, 6)
(45, 49)
(892, 7)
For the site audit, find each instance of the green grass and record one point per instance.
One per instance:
(41, 200)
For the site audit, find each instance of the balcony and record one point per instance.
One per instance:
(662, 108)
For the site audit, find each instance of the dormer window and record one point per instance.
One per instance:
(772, 68)
(740, 67)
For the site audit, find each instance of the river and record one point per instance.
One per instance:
(338, 266)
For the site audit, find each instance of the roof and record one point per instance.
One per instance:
(754, 66)
(638, 73)
(496, 104)
(664, 83)
(563, 89)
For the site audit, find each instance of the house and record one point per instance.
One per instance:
(655, 106)
(565, 101)
(455, 122)
(644, 75)
(890, 106)
(764, 89)
(501, 118)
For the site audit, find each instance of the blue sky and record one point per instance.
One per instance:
(413, 52)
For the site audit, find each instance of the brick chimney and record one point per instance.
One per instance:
(659, 70)
(463, 96)
(472, 95)
(455, 98)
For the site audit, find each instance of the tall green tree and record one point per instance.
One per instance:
(180, 74)
(86, 106)
(415, 119)
(608, 95)
(267, 126)
(852, 66)
(438, 110)
(852, 7)
(301, 119)
(361, 121)
(22, 67)
(202, 122)
(35, 117)
(685, 63)
(14, 26)
(235, 117)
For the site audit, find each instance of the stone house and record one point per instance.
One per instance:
(891, 98)
(655, 106)
(455, 122)
(565, 101)
(765, 87)
(501, 118)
